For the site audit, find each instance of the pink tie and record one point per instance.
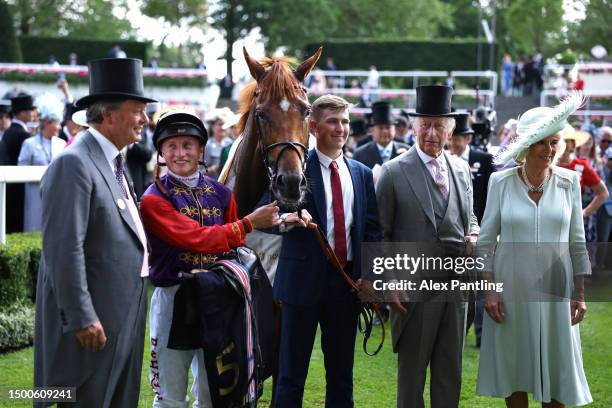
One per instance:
(338, 208)
(440, 178)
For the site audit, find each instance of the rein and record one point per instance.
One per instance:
(368, 310)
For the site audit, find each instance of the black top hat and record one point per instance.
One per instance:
(358, 128)
(462, 125)
(178, 123)
(382, 113)
(69, 109)
(114, 78)
(433, 100)
(5, 105)
(22, 102)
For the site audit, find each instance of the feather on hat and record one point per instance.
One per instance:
(49, 107)
(537, 124)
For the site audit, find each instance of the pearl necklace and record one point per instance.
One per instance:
(531, 187)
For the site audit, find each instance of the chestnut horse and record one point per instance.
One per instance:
(274, 128)
(271, 152)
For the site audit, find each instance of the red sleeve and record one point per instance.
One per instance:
(590, 177)
(161, 219)
(231, 212)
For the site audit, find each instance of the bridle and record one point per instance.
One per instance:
(300, 148)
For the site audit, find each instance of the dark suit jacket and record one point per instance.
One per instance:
(368, 154)
(303, 272)
(480, 178)
(137, 156)
(12, 140)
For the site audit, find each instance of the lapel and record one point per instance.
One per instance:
(318, 190)
(98, 159)
(357, 192)
(375, 153)
(459, 188)
(415, 174)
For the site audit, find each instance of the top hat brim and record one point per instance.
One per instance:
(464, 133)
(85, 101)
(434, 115)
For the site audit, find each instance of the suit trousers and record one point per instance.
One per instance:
(337, 316)
(122, 387)
(433, 336)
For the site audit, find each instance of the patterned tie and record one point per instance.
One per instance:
(338, 208)
(440, 178)
(119, 174)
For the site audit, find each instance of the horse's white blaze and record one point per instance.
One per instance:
(284, 104)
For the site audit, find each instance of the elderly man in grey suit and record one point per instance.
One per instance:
(425, 196)
(91, 292)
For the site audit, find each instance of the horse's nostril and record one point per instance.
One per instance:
(280, 180)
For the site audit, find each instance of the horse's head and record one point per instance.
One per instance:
(278, 113)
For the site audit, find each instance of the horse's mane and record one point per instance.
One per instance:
(278, 82)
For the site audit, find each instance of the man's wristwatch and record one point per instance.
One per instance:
(283, 226)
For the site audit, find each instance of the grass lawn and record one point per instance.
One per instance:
(375, 377)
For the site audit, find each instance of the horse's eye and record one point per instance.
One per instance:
(261, 115)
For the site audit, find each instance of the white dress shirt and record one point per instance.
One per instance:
(348, 198)
(110, 153)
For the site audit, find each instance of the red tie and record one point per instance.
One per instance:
(338, 207)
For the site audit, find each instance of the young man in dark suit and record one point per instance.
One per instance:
(383, 147)
(342, 202)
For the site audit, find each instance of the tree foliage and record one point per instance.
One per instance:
(177, 12)
(595, 29)
(535, 24)
(10, 50)
(88, 19)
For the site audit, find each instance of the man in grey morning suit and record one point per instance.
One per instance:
(91, 291)
(425, 195)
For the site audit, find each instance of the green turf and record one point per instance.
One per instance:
(375, 377)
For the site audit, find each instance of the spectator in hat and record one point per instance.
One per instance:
(218, 140)
(23, 111)
(403, 130)
(91, 293)
(39, 150)
(382, 148)
(139, 154)
(5, 118)
(69, 128)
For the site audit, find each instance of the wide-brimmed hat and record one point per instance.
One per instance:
(179, 123)
(382, 113)
(232, 121)
(22, 102)
(80, 118)
(433, 100)
(537, 124)
(579, 137)
(462, 124)
(115, 78)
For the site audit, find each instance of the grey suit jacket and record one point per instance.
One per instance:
(90, 265)
(406, 208)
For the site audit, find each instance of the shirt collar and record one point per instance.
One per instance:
(326, 160)
(386, 149)
(425, 157)
(108, 148)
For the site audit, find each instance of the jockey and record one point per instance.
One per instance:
(190, 219)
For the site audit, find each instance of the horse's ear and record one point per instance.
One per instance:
(257, 70)
(302, 71)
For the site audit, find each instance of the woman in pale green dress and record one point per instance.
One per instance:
(533, 235)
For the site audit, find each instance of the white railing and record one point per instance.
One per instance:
(15, 174)
(82, 70)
